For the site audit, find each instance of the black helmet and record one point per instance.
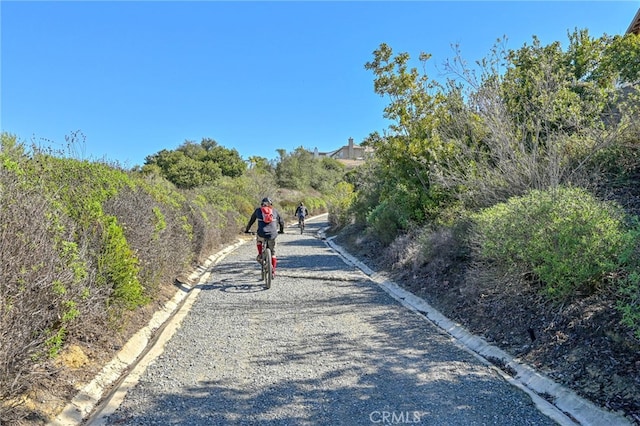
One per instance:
(266, 201)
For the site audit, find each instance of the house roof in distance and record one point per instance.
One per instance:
(634, 27)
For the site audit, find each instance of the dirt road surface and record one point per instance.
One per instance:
(325, 345)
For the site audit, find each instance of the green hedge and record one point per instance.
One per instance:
(570, 240)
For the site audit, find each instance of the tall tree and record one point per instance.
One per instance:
(411, 143)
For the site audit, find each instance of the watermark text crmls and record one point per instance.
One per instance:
(395, 417)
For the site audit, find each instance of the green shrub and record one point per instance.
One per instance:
(118, 267)
(160, 222)
(225, 196)
(629, 283)
(385, 222)
(629, 303)
(567, 238)
(340, 201)
(396, 213)
(55, 341)
(315, 205)
(44, 274)
(93, 184)
(147, 225)
(162, 191)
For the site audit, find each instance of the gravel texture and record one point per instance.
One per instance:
(323, 346)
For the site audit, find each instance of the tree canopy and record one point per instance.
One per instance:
(523, 119)
(192, 165)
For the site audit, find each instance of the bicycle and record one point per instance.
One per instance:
(301, 223)
(266, 264)
(267, 267)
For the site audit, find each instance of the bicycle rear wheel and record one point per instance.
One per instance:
(267, 268)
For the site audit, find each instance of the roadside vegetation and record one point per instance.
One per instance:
(518, 176)
(520, 173)
(533, 153)
(90, 250)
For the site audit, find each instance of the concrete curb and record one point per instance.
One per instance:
(86, 401)
(567, 407)
(83, 404)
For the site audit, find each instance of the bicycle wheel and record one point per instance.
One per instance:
(301, 226)
(267, 268)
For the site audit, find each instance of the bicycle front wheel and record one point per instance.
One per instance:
(267, 268)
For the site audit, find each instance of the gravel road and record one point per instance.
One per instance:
(323, 346)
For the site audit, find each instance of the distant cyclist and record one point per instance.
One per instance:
(301, 213)
(270, 224)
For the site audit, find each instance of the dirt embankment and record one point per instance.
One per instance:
(579, 343)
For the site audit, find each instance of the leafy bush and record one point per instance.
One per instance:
(385, 222)
(192, 165)
(93, 184)
(629, 303)
(118, 267)
(43, 277)
(314, 203)
(395, 214)
(300, 170)
(566, 238)
(340, 201)
(161, 190)
(147, 224)
(629, 283)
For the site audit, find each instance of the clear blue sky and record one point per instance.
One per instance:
(139, 77)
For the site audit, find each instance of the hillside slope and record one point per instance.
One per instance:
(580, 343)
